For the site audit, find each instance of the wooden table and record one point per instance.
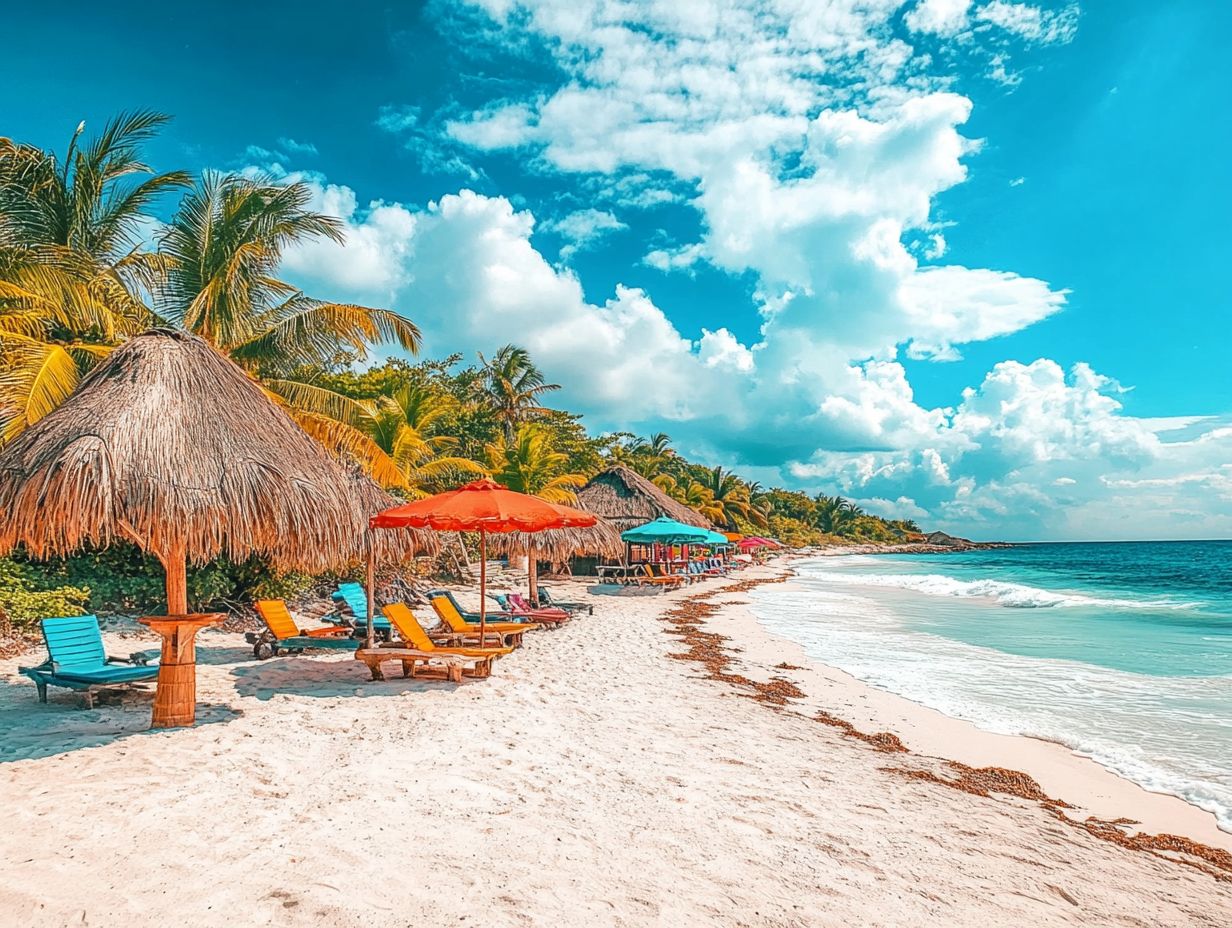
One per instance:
(175, 701)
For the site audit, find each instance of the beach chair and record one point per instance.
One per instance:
(284, 634)
(521, 606)
(355, 598)
(546, 600)
(660, 580)
(549, 619)
(415, 637)
(77, 660)
(503, 634)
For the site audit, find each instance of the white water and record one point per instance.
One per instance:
(1168, 734)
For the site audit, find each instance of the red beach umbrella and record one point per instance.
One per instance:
(480, 506)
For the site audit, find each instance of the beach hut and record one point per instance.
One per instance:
(626, 499)
(171, 446)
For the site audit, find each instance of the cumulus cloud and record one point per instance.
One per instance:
(811, 142)
(941, 17)
(584, 229)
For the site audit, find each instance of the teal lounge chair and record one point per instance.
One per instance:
(354, 597)
(76, 660)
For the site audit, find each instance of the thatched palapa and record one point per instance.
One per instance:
(170, 445)
(558, 545)
(626, 499)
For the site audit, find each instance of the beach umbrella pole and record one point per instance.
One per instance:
(532, 575)
(483, 586)
(371, 583)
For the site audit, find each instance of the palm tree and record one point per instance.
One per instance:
(402, 425)
(731, 497)
(835, 515)
(224, 245)
(72, 272)
(512, 387)
(528, 464)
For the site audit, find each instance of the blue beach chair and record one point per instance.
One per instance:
(77, 660)
(354, 597)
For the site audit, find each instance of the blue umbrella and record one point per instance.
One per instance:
(666, 531)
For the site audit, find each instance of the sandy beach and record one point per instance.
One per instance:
(593, 779)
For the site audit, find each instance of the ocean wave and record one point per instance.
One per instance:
(1011, 595)
(1168, 734)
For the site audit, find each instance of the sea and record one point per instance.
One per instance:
(1121, 651)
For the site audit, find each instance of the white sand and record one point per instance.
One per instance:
(591, 781)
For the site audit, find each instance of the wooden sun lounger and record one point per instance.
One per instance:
(441, 666)
(417, 639)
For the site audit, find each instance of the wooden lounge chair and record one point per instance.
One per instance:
(446, 666)
(417, 638)
(284, 634)
(458, 631)
(77, 660)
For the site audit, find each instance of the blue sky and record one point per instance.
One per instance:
(953, 259)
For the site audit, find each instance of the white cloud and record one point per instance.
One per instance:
(584, 229)
(675, 259)
(1031, 22)
(812, 145)
(1018, 181)
(296, 148)
(394, 118)
(941, 17)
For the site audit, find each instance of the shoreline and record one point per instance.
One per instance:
(1062, 773)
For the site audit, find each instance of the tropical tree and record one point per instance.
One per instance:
(835, 515)
(402, 427)
(529, 464)
(222, 249)
(731, 497)
(512, 387)
(73, 275)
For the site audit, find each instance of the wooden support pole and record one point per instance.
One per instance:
(532, 575)
(370, 579)
(175, 565)
(483, 585)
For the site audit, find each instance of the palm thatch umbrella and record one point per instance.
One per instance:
(171, 446)
(559, 545)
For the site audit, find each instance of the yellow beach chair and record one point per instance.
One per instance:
(414, 636)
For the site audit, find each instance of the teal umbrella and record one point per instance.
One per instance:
(716, 538)
(665, 531)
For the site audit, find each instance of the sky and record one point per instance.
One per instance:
(957, 260)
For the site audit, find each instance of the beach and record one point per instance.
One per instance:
(593, 779)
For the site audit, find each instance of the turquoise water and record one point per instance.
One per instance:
(1121, 651)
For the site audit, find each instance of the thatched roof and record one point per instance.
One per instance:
(558, 545)
(627, 499)
(169, 444)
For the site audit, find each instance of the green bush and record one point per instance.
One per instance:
(24, 601)
(121, 579)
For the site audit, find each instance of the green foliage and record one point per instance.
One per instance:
(121, 579)
(24, 599)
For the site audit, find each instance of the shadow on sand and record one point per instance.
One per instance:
(328, 679)
(30, 729)
(622, 589)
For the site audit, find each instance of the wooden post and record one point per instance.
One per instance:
(175, 565)
(483, 585)
(370, 579)
(532, 575)
(175, 700)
